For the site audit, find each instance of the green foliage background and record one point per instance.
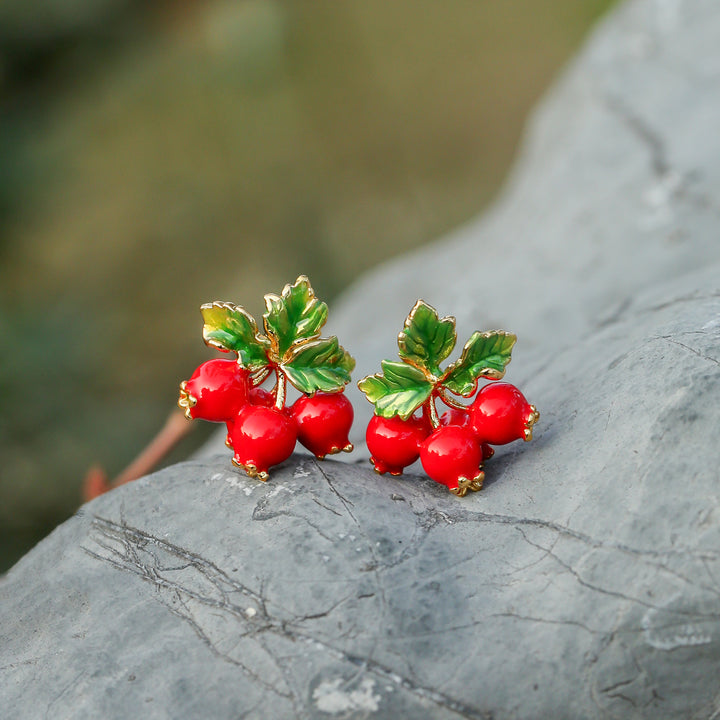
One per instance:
(158, 155)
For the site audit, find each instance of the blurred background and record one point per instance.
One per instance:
(156, 155)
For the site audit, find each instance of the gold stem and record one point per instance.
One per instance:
(434, 419)
(260, 377)
(451, 402)
(280, 389)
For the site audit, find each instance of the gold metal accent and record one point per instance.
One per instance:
(434, 419)
(532, 419)
(450, 401)
(477, 482)
(465, 484)
(251, 470)
(259, 376)
(280, 388)
(186, 401)
(348, 448)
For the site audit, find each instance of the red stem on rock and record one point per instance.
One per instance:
(175, 428)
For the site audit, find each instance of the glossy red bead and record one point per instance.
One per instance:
(216, 391)
(259, 396)
(500, 414)
(262, 437)
(452, 456)
(455, 416)
(323, 422)
(395, 443)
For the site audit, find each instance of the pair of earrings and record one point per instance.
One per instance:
(263, 429)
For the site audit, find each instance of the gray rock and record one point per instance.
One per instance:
(581, 582)
(617, 190)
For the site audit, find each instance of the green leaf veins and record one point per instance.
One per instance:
(319, 365)
(426, 340)
(232, 329)
(399, 390)
(484, 355)
(294, 317)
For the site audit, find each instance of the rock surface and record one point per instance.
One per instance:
(616, 190)
(584, 581)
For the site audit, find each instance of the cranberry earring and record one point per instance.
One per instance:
(262, 430)
(452, 447)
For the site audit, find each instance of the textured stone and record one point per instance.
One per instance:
(581, 582)
(617, 189)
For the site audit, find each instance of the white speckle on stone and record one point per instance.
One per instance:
(301, 471)
(352, 537)
(277, 490)
(669, 637)
(358, 549)
(216, 476)
(326, 558)
(250, 612)
(711, 324)
(330, 698)
(342, 536)
(236, 481)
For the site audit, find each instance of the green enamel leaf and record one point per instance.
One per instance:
(484, 355)
(319, 365)
(293, 317)
(399, 390)
(426, 340)
(232, 329)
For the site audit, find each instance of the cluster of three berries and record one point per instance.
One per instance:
(260, 433)
(453, 453)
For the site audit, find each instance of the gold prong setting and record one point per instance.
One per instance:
(533, 417)
(186, 401)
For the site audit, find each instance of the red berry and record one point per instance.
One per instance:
(395, 443)
(453, 456)
(487, 451)
(323, 422)
(262, 437)
(215, 391)
(455, 416)
(500, 414)
(258, 396)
